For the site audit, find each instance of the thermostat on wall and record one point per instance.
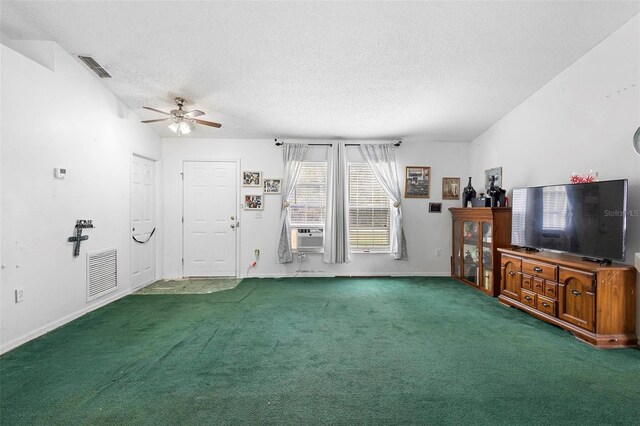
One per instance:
(60, 173)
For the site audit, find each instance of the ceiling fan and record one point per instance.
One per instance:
(182, 122)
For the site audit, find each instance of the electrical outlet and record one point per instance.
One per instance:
(19, 295)
(438, 252)
(256, 252)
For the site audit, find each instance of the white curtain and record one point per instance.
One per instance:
(383, 165)
(293, 154)
(336, 237)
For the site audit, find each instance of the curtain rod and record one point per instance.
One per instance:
(330, 144)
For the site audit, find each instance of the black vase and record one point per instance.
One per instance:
(468, 195)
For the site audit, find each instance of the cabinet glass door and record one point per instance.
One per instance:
(487, 261)
(471, 254)
(457, 247)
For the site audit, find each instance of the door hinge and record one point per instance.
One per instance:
(182, 219)
(182, 176)
(594, 284)
(182, 261)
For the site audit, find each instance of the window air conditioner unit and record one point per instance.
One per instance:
(310, 239)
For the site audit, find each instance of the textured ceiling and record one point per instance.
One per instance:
(437, 70)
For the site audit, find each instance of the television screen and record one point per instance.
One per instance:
(587, 219)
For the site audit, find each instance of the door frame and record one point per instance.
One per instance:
(237, 205)
(156, 197)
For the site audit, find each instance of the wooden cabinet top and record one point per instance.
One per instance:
(479, 212)
(564, 259)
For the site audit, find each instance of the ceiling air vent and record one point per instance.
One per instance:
(95, 67)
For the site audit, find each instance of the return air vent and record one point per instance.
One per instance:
(94, 66)
(102, 273)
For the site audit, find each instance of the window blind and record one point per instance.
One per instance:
(369, 210)
(308, 202)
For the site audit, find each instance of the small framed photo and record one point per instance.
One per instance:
(272, 186)
(417, 182)
(435, 207)
(253, 202)
(252, 179)
(450, 188)
(495, 172)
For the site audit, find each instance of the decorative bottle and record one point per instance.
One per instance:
(468, 194)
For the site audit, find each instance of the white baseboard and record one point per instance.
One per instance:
(330, 275)
(61, 321)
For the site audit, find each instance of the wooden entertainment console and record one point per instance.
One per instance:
(596, 303)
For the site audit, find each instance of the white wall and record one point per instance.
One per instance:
(583, 119)
(61, 118)
(425, 232)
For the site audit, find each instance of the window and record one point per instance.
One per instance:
(369, 211)
(308, 202)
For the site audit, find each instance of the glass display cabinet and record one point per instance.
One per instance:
(477, 234)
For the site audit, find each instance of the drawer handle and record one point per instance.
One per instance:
(546, 305)
(512, 273)
(537, 269)
(528, 298)
(576, 293)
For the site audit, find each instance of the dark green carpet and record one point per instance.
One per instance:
(317, 351)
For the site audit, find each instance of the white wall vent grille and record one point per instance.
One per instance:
(102, 273)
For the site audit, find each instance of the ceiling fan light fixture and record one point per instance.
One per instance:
(186, 127)
(182, 122)
(181, 126)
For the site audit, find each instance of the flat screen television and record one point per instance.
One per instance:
(586, 219)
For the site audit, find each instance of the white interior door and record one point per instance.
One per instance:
(210, 210)
(143, 223)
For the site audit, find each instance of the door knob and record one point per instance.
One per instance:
(233, 218)
(232, 226)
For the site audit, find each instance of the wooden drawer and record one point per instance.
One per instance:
(551, 289)
(538, 285)
(546, 305)
(505, 258)
(526, 281)
(528, 298)
(540, 269)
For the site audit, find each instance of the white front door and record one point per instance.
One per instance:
(210, 210)
(143, 223)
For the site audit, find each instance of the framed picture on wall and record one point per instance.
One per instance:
(253, 202)
(417, 182)
(272, 186)
(435, 207)
(252, 179)
(450, 188)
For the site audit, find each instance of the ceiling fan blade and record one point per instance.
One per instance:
(194, 113)
(156, 110)
(208, 123)
(155, 121)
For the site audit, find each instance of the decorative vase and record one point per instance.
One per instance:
(468, 194)
(496, 193)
